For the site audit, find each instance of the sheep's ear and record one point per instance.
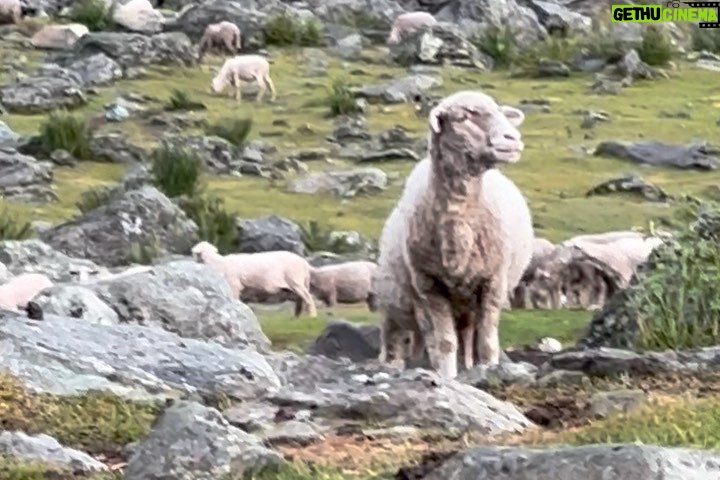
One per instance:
(436, 119)
(515, 116)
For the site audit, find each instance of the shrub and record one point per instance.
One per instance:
(284, 30)
(706, 39)
(93, 198)
(498, 44)
(677, 299)
(176, 171)
(180, 100)
(656, 48)
(68, 132)
(234, 130)
(11, 228)
(341, 99)
(550, 49)
(94, 14)
(315, 237)
(215, 224)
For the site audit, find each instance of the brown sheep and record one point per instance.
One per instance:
(225, 34)
(463, 233)
(348, 282)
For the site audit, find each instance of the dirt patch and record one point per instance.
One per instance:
(427, 464)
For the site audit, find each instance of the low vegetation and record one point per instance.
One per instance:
(12, 228)
(707, 39)
(341, 99)
(66, 131)
(234, 130)
(656, 48)
(93, 198)
(498, 44)
(180, 100)
(284, 30)
(215, 224)
(176, 171)
(677, 301)
(97, 15)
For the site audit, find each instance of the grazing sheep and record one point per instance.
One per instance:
(349, 282)
(261, 274)
(224, 33)
(407, 23)
(10, 11)
(18, 291)
(244, 68)
(464, 234)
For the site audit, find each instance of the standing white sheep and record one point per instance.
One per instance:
(465, 235)
(348, 282)
(245, 68)
(407, 23)
(261, 274)
(222, 33)
(10, 11)
(19, 290)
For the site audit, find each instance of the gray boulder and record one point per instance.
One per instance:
(134, 49)
(695, 156)
(342, 339)
(108, 235)
(36, 256)
(271, 233)
(25, 179)
(48, 90)
(344, 183)
(592, 462)
(97, 69)
(191, 441)
(402, 90)
(64, 356)
(45, 449)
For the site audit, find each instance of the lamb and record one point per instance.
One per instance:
(223, 33)
(407, 23)
(18, 291)
(459, 239)
(261, 274)
(10, 11)
(244, 68)
(348, 282)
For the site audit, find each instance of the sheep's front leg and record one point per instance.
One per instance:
(238, 88)
(435, 319)
(261, 89)
(487, 342)
(466, 331)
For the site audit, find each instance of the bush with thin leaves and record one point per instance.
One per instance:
(707, 39)
(341, 99)
(12, 228)
(180, 100)
(284, 30)
(315, 236)
(677, 296)
(65, 131)
(234, 130)
(94, 14)
(215, 224)
(550, 49)
(94, 198)
(176, 171)
(498, 44)
(656, 48)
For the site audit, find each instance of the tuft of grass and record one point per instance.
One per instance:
(677, 298)
(341, 99)
(498, 44)
(95, 422)
(216, 225)
(144, 252)
(550, 49)
(94, 14)
(176, 171)
(12, 228)
(93, 198)
(234, 130)
(284, 31)
(315, 236)
(180, 100)
(678, 424)
(656, 48)
(65, 131)
(304, 471)
(707, 39)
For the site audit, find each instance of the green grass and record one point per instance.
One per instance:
(552, 173)
(677, 424)
(517, 328)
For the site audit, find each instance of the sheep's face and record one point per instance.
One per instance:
(486, 132)
(217, 85)
(202, 250)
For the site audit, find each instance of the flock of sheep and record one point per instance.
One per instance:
(457, 249)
